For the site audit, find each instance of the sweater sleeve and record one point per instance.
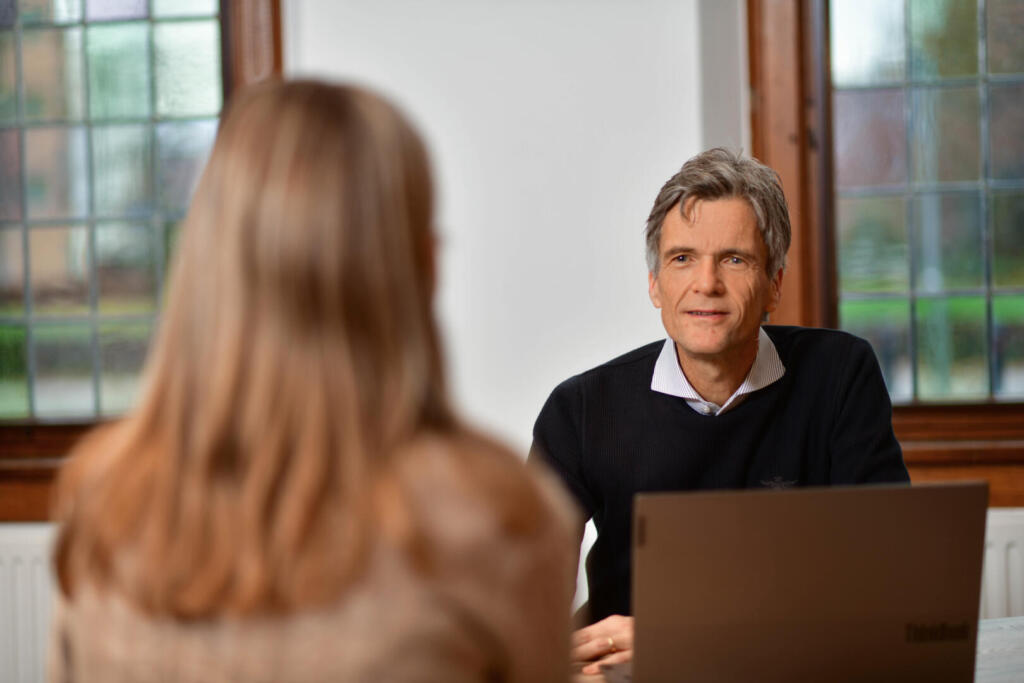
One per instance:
(863, 446)
(558, 444)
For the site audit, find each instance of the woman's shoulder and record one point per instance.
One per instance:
(467, 484)
(503, 544)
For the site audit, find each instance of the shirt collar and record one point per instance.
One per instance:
(669, 378)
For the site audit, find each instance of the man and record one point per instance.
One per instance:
(723, 403)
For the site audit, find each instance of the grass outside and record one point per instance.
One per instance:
(1008, 310)
(13, 398)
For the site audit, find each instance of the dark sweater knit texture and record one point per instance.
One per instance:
(827, 421)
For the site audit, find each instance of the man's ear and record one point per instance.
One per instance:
(652, 289)
(775, 294)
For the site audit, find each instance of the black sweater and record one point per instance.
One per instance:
(609, 436)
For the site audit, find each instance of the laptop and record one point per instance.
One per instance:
(866, 583)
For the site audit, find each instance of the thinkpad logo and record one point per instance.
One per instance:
(938, 632)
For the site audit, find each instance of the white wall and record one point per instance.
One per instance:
(552, 125)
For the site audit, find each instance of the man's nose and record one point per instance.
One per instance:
(708, 280)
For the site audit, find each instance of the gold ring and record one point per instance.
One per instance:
(611, 644)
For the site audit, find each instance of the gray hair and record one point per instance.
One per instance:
(721, 174)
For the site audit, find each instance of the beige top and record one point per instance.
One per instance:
(497, 609)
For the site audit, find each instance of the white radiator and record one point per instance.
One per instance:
(26, 591)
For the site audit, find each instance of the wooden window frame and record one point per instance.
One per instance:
(31, 453)
(791, 132)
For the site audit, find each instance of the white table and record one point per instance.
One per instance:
(1000, 651)
(1000, 657)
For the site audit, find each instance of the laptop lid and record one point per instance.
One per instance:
(849, 583)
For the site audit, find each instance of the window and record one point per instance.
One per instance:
(918, 246)
(928, 149)
(107, 112)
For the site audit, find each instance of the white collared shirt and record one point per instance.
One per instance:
(669, 377)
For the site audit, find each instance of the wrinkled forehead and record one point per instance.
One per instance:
(719, 213)
(719, 224)
(687, 207)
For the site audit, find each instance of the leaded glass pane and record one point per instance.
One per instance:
(886, 324)
(13, 372)
(8, 78)
(1006, 131)
(52, 72)
(188, 75)
(56, 172)
(119, 73)
(872, 245)
(63, 370)
(870, 49)
(182, 149)
(1005, 36)
(122, 170)
(946, 140)
(12, 273)
(1008, 315)
(50, 11)
(1008, 239)
(943, 38)
(126, 268)
(172, 233)
(952, 348)
(59, 267)
(184, 8)
(8, 14)
(10, 175)
(123, 348)
(870, 137)
(106, 10)
(948, 242)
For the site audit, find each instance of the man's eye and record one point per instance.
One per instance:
(735, 261)
(681, 258)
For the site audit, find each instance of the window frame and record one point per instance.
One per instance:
(32, 452)
(791, 132)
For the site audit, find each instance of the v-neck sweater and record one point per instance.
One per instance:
(608, 436)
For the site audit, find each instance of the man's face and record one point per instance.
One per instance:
(712, 285)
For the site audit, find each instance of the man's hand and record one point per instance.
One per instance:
(609, 641)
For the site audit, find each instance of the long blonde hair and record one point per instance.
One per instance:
(296, 357)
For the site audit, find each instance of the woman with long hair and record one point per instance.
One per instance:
(293, 498)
